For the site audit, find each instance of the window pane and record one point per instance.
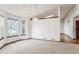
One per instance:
(12, 27)
(1, 27)
(23, 27)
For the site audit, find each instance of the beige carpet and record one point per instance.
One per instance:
(33, 46)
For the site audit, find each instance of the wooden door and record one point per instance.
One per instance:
(77, 29)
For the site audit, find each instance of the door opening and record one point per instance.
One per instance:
(77, 29)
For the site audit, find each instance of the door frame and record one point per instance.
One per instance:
(76, 18)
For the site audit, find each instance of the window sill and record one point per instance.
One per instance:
(12, 36)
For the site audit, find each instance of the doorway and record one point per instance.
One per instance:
(77, 29)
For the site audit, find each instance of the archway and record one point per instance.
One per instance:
(76, 27)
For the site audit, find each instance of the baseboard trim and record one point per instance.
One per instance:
(43, 39)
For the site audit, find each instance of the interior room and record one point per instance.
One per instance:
(39, 28)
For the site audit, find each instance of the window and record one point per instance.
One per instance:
(12, 27)
(1, 27)
(23, 27)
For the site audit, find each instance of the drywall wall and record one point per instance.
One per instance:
(48, 29)
(61, 26)
(69, 21)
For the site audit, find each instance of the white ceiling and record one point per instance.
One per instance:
(65, 9)
(42, 10)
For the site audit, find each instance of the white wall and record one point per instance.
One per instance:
(46, 29)
(61, 26)
(69, 22)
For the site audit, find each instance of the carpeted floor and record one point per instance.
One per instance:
(33, 46)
